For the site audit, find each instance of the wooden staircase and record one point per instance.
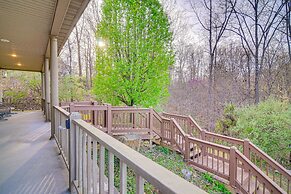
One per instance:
(212, 159)
(235, 161)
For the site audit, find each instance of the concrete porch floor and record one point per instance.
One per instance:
(29, 161)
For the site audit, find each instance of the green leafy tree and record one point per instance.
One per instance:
(134, 58)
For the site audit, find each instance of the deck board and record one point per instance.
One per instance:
(30, 162)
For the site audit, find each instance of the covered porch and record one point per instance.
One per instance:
(32, 35)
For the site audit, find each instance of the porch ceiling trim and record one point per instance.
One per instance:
(27, 25)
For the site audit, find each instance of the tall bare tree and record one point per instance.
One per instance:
(257, 24)
(218, 16)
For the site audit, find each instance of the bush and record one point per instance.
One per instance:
(268, 126)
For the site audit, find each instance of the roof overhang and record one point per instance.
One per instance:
(28, 25)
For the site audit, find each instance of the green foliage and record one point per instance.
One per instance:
(268, 126)
(133, 67)
(22, 85)
(214, 186)
(228, 120)
(164, 150)
(71, 89)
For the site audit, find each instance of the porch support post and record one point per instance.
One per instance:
(42, 92)
(1, 91)
(54, 80)
(1, 87)
(47, 89)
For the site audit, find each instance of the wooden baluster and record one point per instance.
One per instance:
(61, 140)
(288, 186)
(80, 158)
(123, 177)
(67, 145)
(101, 169)
(95, 167)
(111, 173)
(264, 188)
(212, 159)
(89, 165)
(256, 183)
(139, 184)
(206, 155)
(77, 150)
(217, 161)
(187, 149)
(249, 181)
(232, 166)
(267, 167)
(223, 162)
(84, 169)
(280, 180)
(242, 173)
(109, 120)
(202, 153)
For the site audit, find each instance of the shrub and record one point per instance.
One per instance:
(268, 126)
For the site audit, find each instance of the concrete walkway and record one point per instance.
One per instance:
(29, 161)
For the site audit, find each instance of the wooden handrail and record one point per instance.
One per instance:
(61, 110)
(195, 123)
(178, 127)
(222, 147)
(175, 115)
(270, 160)
(225, 138)
(256, 172)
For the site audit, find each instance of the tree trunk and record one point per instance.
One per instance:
(288, 64)
(79, 51)
(257, 68)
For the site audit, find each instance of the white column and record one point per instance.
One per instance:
(47, 89)
(54, 79)
(1, 94)
(42, 91)
(1, 87)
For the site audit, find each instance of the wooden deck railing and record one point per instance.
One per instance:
(62, 133)
(272, 169)
(84, 149)
(187, 123)
(205, 150)
(249, 178)
(264, 162)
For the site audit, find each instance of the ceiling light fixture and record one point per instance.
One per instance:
(13, 55)
(4, 40)
(19, 64)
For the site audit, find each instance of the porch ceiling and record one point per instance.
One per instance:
(27, 25)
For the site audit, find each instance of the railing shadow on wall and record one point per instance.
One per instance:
(208, 151)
